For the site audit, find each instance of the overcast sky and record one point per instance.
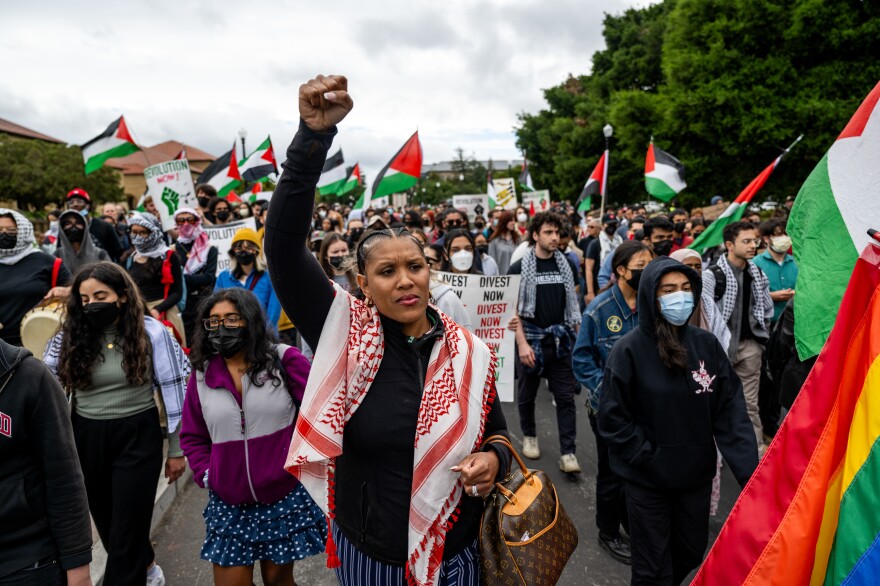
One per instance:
(198, 70)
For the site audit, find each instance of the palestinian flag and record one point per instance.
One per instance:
(222, 174)
(114, 142)
(809, 513)
(595, 185)
(525, 178)
(260, 163)
(181, 155)
(490, 190)
(837, 204)
(714, 235)
(255, 192)
(664, 174)
(402, 171)
(332, 175)
(352, 181)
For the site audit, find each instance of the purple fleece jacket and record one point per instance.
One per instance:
(241, 440)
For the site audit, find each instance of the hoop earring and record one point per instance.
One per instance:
(369, 302)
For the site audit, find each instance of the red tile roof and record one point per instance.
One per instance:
(12, 128)
(134, 163)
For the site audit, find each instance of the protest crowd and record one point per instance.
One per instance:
(323, 376)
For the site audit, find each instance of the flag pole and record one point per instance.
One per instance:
(607, 130)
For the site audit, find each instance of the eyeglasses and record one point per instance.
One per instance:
(230, 321)
(182, 221)
(248, 247)
(748, 241)
(134, 232)
(454, 222)
(9, 230)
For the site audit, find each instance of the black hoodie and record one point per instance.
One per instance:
(43, 506)
(662, 425)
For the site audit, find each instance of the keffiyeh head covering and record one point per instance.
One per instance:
(187, 233)
(24, 243)
(152, 245)
(683, 253)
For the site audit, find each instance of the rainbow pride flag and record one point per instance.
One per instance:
(811, 512)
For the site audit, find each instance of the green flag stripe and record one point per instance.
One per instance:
(332, 188)
(714, 234)
(825, 260)
(659, 189)
(97, 161)
(394, 184)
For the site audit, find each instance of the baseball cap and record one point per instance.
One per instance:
(80, 193)
(610, 219)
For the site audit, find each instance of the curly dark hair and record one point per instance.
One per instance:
(81, 344)
(259, 341)
(538, 222)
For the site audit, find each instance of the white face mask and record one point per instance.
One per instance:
(522, 218)
(462, 260)
(322, 214)
(780, 244)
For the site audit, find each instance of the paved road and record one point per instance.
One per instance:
(180, 536)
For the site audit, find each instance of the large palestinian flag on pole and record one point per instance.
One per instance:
(714, 234)
(811, 512)
(664, 174)
(352, 181)
(490, 190)
(595, 185)
(333, 175)
(525, 178)
(835, 207)
(222, 174)
(260, 164)
(402, 171)
(114, 142)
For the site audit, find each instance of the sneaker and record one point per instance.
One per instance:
(616, 548)
(568, 463)
(530, 448)
(155, 576)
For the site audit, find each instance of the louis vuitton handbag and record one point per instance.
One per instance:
(526, 537)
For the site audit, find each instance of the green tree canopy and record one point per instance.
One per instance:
(35, 174)
(723, 85)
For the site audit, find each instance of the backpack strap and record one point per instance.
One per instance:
(56, 266)
(167, 276)
(720, 282)
(255, 281)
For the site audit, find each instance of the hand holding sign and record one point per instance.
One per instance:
(324, 102)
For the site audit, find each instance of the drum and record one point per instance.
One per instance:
(39, 325)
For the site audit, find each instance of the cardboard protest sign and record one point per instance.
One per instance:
(170, 185)
(470, 204)
(491, 303)
(540, 199)
(221, 237)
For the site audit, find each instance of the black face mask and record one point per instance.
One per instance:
(663, 248)
(635, 278)
(679, 227)
(101, 314)
(479, 226)
(483, 248)
(610, 230)
(336, 261)
(74, 233)
(204, 201)
(7, 241)
(356, 234)
(226, 341)
(244, 257)
(223, 215)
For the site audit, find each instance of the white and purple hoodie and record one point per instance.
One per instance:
(237, 444)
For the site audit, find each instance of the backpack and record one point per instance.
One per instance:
(166, 269)
(720, 283)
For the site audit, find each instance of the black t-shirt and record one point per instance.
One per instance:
(22, 286)
(550, 300)
(594, 252)
(584, 244)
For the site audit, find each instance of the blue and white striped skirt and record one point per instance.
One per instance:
(358, 569)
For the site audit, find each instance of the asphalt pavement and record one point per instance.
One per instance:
(180, 536)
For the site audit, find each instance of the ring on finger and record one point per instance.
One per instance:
(474, 490)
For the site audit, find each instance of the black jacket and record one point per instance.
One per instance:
(105, 234)
(374, 473)
(661, 425)
(43, 506)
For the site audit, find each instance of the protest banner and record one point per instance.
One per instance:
(540, 199)
(398, 200)
(491, 303)
(470, 203)
(221, 237)
(505, 193)
(378, 203)
(170, 185)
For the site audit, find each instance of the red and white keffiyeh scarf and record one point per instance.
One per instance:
(458, 394)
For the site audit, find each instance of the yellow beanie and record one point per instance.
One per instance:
(248, 234)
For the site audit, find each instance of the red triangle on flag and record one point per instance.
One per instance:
(232, 172)
(257, 188)
(122, 131)
(233, 197)
(649, 160)
(409, 158)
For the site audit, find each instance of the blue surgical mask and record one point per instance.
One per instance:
(84, 212)
(677, 307)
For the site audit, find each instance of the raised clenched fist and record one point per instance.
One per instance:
(324, 102)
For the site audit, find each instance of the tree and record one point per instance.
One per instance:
(36, 173)
(723, 85)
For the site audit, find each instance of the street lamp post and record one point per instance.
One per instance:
(608, 131)
(242, 134)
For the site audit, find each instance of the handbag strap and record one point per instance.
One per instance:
(500, 439)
